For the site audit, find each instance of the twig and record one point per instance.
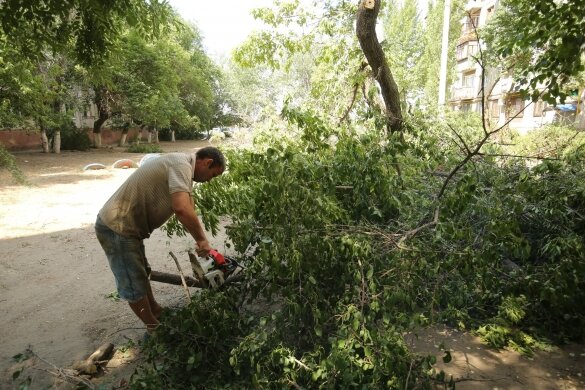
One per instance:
(301, 364)
(348, 110)
(413, 232)
(408, 376)
(182, 276)
(60, 372)
(460, 138)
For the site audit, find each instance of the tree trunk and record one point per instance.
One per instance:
(97, 140)
(101, 103)
(125, 129)
(44, 140)
(366, 32)
(57, 142)
(172, 135)
(149, 136)
(156, 136)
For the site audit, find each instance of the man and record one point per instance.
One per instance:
(147, 199)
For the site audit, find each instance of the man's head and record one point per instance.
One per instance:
(210, 163)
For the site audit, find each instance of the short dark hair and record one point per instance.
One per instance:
(213, 153)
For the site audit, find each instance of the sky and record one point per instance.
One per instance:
(224, 24)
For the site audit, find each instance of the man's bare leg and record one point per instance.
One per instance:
(155, 308)
(142, 309)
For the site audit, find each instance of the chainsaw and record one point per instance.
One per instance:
(213, 270)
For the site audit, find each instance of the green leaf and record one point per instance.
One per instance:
(447, 357)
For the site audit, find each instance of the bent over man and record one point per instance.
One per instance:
(158, 189)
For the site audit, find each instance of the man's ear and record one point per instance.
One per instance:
(208, 162)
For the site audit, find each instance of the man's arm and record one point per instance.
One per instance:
(184, 210)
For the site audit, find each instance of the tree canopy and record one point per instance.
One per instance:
(91, 26)
(541, 42)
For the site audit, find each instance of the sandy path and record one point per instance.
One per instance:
(54, 277)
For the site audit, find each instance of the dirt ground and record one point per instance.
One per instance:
(56, 287)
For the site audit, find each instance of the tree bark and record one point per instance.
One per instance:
(163, 277)
(57, 142)
(125, 129)
(173, 136)
(366, 33)
(44, 140)
(103, 115)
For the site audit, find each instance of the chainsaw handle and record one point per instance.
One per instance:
(217, 257)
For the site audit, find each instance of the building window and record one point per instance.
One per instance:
(472, 48)
(468, 79)
(516, 106)
(471, 23)
(466, 50)
(461, 52)
(539, 107)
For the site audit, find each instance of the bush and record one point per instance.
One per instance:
(74, 139)
(7, 161)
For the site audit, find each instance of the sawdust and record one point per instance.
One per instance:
(56, 287)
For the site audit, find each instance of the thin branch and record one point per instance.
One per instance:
(182, 276)
(348, 110)
(61, 372)
(414, 232)
(523, 157)
(460, 138)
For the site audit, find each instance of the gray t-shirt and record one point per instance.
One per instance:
(143, 203)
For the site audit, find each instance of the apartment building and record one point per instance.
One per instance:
(502, 98)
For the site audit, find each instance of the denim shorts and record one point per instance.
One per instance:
(127, 260)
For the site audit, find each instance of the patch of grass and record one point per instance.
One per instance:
(8, 162)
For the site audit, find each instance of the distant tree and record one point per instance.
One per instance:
(91, 26)
(427, 68)
(541, 42)
(403, 41)
(36, 93)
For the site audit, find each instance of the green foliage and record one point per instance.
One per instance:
(542, 42)
(144, 148)
(72, 138)
(336, 268)
(8, 162)
(92, 27)
(551, 141)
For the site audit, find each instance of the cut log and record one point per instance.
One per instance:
(90, 365)
(163, 277)
(167, 278)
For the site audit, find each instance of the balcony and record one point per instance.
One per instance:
(459, 93)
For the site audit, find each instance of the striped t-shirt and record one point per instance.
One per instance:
(143, 202)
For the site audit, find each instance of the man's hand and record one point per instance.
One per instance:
(203, 248)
